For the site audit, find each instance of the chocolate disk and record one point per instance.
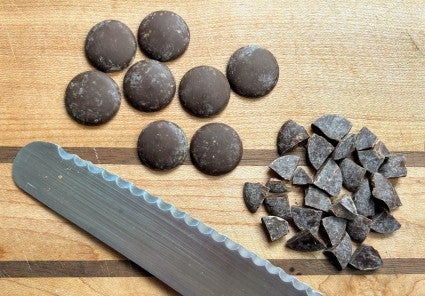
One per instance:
(163, 35)
(204, 91)
(252, 71)
(149, 85)
(92, 98)
(216, 149)
(110, 46)
(162, 145)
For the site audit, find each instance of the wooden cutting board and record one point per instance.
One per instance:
(363, 61)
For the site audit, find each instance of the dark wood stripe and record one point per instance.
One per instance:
(125, 268)
(251, 157)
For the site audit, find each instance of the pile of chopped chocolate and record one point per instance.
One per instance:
(349, 195)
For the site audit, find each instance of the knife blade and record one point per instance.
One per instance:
(183, 252)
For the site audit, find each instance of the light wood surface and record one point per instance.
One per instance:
(361, 60)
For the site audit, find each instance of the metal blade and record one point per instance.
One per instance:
(189, 256)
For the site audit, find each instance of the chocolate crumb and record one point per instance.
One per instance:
(365, 139)
(278, 206)
(394, 166)
(317, 198)
(383, 190)
(253, 195)
(344, 208)
(301, 177)
(352, 174)
(285, 166)
(384, 223)
(318, 150)
(332, 126)
(276, 186)
(340, 254)
(306, 241)
(334, 228)
(363, 199)
(290, 135)
(366, 258)
(305, 218)
(329, 178)
(275, 227)
(359, 228)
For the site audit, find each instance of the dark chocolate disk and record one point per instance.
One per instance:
(216, 149)
(92, 98)
(204, 91)
(163, 35)
(149, 85)
(110, 46)
(252, 71)
(162, 145)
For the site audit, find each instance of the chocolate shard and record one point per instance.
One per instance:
(305, 218)
(359, 228)
(371, 159)
(382, 149)
(384, 191)
(306, 241)
(366, 257)
(317, 198)
(345, 147)
(394, 166)
(318, 150)
(276, 186)
(334, 228)
(278, 206)
(332, 126)
(290, 135)
(384, 223)
(365, 139)
(329, 178)
(340, 254)
(344, 208)
(285, 166)
(301, 177)
(363, 199)
(253, 195)
(352, 174)
(275, 227)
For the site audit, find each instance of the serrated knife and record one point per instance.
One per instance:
(183, 252)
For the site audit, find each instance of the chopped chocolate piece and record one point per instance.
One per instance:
(384, 223)
(278, 206)
(329, 178)
(285, 166)
(365, 139)
(394, 166)
(301, 177)
(359, 228)
(334, 228)
(290, 135)
(318, 150)
(316, 198)
(306, 241)
(340, 254)
(276, 186)
(345, 147)
(363, 199)
(371, 159)
(275, 227)
(384, 191)
(332, 126)
(253, 195)
(344, 208)
(382, 149)
(366, 258)
(352, 174)
(305, 218)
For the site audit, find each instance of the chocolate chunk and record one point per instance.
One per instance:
(365, 139)
(204, 91)
(216, 149)
(92, 98)
(306, 241)
(276, 186)
(149, 85)
(253, 195)
(329, 178)
(384, 223)
(305, 218)
(318, 150)
(345, 147)
(366, 258)
(382, 149)
(340, 254)
(394, 166)
(301, 177)
(285, 165)
(363, 199)
(352, 174)
(359, 228)
(290, 135)
(252, 71)
(316, 198)
(371, 159)
(332, 126)
(163, 35)
(162, 145)
(110, 46)
(334, 228)
(384, 191)
(275, 227)
(278, 205)
(344, 208)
